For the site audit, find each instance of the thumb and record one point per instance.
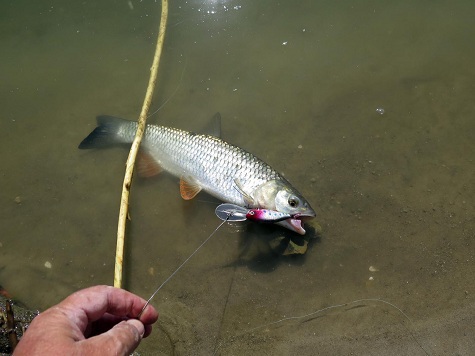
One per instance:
(122, 339)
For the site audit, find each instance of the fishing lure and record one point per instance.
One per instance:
(232, 212)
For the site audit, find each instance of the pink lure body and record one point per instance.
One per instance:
(265, 215)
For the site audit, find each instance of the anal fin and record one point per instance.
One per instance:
(189, 189)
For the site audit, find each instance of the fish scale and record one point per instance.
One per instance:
(207, 160)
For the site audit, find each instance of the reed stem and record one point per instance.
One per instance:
(124, 201)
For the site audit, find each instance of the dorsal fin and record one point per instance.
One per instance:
(188, 188)
(214, 126)
(146, 165)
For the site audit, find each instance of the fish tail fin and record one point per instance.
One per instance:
(106, 133)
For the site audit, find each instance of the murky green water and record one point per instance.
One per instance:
(297, 83)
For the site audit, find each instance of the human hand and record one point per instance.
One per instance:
(93, 321)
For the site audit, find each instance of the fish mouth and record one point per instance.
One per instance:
(296, 223)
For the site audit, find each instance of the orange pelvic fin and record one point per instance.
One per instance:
(188, 189)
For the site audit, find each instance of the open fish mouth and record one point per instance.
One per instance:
(296, 223)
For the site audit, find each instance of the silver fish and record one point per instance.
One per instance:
(206, 162)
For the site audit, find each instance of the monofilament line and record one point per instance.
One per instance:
(323, 310)
(179, 267)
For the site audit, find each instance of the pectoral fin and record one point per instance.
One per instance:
(188, 188)
(247, 198)
(147, 166)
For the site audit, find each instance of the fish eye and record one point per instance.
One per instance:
(293, 202)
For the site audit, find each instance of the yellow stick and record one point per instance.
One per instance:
(124, 202)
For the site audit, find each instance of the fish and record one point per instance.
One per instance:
(206, 162)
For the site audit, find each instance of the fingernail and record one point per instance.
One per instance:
(138, 325)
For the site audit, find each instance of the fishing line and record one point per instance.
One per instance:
(179, 267)
(174, 92)
(220, 344)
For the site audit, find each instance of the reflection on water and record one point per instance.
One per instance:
(301, 85)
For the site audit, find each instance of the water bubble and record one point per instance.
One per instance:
(380, 111)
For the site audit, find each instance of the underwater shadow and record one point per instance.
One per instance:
(263, 248)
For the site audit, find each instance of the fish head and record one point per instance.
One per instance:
(281, 196)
